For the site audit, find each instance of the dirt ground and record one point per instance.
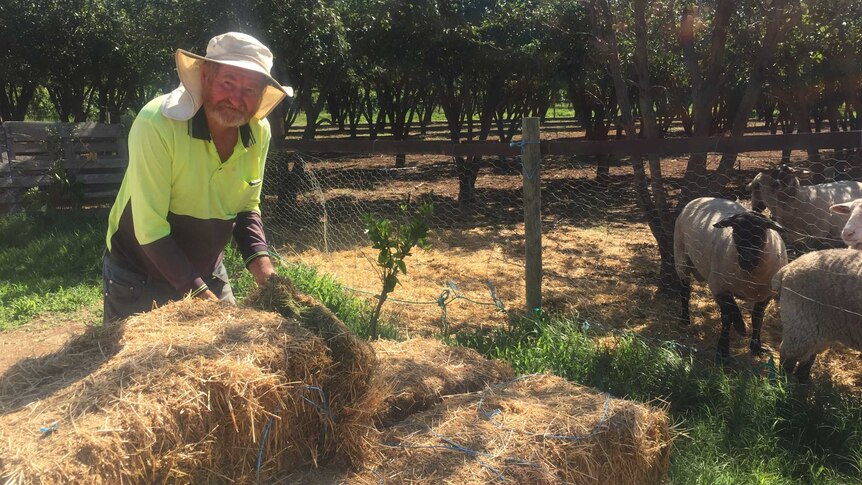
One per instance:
(41, 336)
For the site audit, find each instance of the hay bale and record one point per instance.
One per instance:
(354, 394)
(187, 398)
(420, 371)
(547, 430)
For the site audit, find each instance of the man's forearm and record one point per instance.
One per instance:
(174, 266)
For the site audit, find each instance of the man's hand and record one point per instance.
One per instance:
(261, 268)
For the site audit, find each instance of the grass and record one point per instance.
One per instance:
(562, 110)
(740, 426)
(55, 270)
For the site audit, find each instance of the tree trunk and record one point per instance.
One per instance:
(653, 203)
(705, 89)
(426, 118)
(803, 123)
(663, 219)
(375, 315)
(276, 122)
(603, 169)
(771, 38)
(467, 169)
(312, 112)
(14, 101)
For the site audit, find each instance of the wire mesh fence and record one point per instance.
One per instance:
(313, 207)
(600, 258)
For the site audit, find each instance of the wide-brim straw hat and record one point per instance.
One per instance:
(231, 49)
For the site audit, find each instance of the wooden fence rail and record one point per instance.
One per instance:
(91, 156)
(664, 146)
(96, 155)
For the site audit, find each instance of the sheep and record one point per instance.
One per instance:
(818, 304)
(852, 232)
(803, 210)
(734, 264)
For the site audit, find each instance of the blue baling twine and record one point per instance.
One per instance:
(771, 370)
(521, 144)
(323, 408)
(497, 301)
(263, 442)
(46, 430)
(490, 415)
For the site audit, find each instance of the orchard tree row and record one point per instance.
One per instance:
(386, 65)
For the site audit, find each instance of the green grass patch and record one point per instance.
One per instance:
(324, 119)
(50, 262)
(741, 426)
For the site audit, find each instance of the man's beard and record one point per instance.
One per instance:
(228, 116)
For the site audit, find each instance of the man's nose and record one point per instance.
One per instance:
(235, 97)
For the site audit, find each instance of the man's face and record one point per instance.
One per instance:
(231, 95)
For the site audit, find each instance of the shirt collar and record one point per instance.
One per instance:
(199, 128)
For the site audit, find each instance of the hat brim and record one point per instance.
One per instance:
(189, 69)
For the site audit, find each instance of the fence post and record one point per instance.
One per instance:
(531, 159)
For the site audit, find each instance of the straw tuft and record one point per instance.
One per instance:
(421, 371)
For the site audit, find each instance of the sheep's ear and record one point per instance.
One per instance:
(754, 183)
(799, 171)
(770, 224)
(841, 208)
(728, 222)
(766, 222)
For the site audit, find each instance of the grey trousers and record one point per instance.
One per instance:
(129, 292)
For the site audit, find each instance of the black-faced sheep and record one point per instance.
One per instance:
(739, 263)
(803, 210)
(819, 304)
(852, 232)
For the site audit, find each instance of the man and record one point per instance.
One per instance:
(196, 163)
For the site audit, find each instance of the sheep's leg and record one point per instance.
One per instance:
(788, 365)
(685, 299)
(803, 372)
(756, 322)
(730, 315)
